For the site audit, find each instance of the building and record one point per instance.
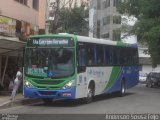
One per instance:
(104, 19)
(18, 20)
(105, 22)
(25, 16)
(67, 3)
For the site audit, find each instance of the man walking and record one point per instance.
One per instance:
(17, 83)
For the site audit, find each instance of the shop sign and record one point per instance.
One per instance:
(7, 25)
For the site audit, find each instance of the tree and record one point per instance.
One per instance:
(73, 20)
(147, 27)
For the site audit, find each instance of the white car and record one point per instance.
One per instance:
(142, 77)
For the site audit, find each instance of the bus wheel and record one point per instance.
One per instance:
(47, 100)
(150, 85)
(90, 94)
(122, 91)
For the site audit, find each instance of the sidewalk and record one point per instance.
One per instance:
(5, 101)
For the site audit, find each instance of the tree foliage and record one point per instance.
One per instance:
(73, 20)
(147, 27)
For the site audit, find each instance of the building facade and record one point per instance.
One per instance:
(18, 20)
(104, 19)
(22, 17)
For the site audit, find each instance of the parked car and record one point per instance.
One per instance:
(153, 79)
(142, 77)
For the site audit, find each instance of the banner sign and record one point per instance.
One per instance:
(50, 42)
(7, 25)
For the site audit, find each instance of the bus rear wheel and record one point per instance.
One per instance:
(122, 91)
(149, 84)
(47, 100)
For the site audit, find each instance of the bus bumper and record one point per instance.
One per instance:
(55, 94)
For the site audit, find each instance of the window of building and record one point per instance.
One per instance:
(116, 35)
(106, 20)
(116, 3)
(24, 2)
(36, 4)
(116, 19)
(98, 4)
(18, 28)
(105, 35)
(106, 4)
(98, 29)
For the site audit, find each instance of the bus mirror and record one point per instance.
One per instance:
(81, 69)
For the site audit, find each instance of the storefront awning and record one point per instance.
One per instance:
(10, 46)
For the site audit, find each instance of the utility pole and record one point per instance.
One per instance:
(55, 7)
(47, 17)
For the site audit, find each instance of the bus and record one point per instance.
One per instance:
(66, 66)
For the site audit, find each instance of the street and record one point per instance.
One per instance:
(139, 99)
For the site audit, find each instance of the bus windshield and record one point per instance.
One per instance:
(49, 62)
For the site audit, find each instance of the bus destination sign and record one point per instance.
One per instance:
(50, 42)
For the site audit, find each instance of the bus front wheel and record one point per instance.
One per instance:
(90, 93)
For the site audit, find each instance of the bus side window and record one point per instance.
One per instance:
(116, 51)
(135, 57)
(114, 56)
(81, 57)
(91, 55)
(104, 55)
(100, 58)
(122, 56)
(107, 55)
(129, 56)
(125, 58)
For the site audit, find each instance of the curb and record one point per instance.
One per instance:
(23, 101)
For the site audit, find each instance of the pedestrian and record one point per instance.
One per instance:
(17, 83)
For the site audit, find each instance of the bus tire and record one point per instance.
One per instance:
(47, 100)
(150, 85)
(90, 93)
(122, 91)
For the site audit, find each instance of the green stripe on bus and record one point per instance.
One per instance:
(122, 44)
(113, 77)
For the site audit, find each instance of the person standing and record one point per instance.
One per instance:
(17, 83)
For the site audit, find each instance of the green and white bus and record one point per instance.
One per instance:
(66, 66)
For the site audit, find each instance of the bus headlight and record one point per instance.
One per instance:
(69, 84)
(28, 84)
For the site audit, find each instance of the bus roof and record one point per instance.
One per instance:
(99, 41)
(88, 39)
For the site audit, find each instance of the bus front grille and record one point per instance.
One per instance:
(48, 82)
(50, 87)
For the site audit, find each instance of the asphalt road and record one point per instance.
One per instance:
(138, 100)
